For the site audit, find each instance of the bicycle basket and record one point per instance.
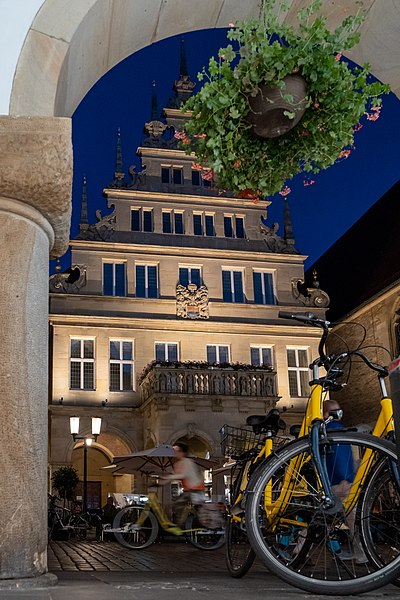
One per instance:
(211, 515)
(237, 440)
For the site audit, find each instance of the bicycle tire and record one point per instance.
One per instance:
(322, 571)
(378, 516)
(202, 538)
(140, 538)
(239, 555)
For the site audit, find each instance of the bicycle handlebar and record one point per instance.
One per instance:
(314, 321)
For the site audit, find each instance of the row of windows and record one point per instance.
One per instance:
(173, 221)
(115, 284)
(121, 363)
(174, 175)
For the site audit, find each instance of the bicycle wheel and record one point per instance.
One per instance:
(200, 537)
(135, 536)
(284, 507)
(378, 517)
(239, 555)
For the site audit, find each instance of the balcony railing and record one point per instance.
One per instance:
(209, 381)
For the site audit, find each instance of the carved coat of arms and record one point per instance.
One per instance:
(192, 301)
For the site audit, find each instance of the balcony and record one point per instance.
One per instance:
(202, 379)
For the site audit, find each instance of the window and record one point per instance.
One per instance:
(177, 176)
(229, 231)
(232, 286)
(82, 364)
(147, 220)
(114, 279)
(172, 175)
(198, 224)
(121, 366)
(196, 179)
(218, 354)
(136, 220)
(228, 228)
(141, 219)
(202, 178)
(190, 275)
(166, 351)
(166, 222)
(298, 371)
(263, 282)
(239, 222)
(261, 356)
(210, 229)
(146, 281)
(172, 222)
(164, 174)
(178, 222)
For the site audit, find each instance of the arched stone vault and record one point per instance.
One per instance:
(69, 46)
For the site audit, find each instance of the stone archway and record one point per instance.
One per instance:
(63, 55)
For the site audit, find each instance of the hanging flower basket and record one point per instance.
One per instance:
(251, 128)
(269, 110)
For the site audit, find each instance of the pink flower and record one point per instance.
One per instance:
(207, 174)
(344, 154)
(200, 135)
(357, 127)
(307, 182)
(237, 163)
(338, 56)
(196, 166)
(374, 116)
(285, 191)
(180, 135)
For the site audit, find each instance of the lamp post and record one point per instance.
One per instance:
(88, 440)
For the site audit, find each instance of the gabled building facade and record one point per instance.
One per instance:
(167, 323)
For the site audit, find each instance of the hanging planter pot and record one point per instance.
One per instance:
(268, 107)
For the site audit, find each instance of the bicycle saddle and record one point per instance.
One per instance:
(270, 422)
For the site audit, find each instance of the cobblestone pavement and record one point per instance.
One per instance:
(171, 570)
(171, 557)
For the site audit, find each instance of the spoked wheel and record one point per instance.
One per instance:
(133, 535)
(378, 517)
(239, 554)
(302, 542)
(200, 537)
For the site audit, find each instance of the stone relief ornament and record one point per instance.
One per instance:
(103, 230)
(69, 282)
(309, 296)
(192, 301)
(274, 242)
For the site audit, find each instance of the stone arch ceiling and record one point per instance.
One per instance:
(73, 43)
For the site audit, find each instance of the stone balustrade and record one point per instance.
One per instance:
(211, 381)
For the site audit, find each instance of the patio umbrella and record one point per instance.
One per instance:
(153, 461)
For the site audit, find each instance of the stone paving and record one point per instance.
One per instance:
(172, 570)
(171, 557)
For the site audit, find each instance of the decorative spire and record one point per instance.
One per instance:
(288, 229)
(154, 109)
(84, 224)
(118, 173)
(155, 128)
(183, 87)
(183, 70)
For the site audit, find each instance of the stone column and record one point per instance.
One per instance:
(35, 207)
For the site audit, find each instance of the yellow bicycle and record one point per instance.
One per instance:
(138, 526)
(299, 523)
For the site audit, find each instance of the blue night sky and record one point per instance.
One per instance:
(321, 213)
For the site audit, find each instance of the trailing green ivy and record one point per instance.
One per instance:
(266, 51)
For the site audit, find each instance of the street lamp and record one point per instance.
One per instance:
(88, 440)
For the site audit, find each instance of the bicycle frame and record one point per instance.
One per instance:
(153, 503)
(312, 424)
